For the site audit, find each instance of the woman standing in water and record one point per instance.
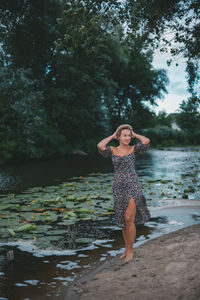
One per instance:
(129, 202)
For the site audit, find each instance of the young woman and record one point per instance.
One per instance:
(129, 202)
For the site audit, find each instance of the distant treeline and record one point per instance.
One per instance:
(178, 129)
(72, 71)
(163, 136)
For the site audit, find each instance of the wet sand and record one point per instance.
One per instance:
(167, 268)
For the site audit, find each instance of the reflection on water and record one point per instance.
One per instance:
(22, 176)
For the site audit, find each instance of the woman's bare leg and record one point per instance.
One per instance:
(125, 242)
(130, 231)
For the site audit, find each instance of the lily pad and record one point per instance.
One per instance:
(67, 222)
(4, 216)
(84, 211)
(85, 217)
(70, 198)
(5, 206)
(38, 209)
(56, 232)
(12, 233)
(45, 242)
(81, 198)
(26, 227)
(71, 214)
(110, 208)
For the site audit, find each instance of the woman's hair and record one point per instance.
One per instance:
(122, 127)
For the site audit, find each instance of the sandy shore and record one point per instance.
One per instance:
(167, 267)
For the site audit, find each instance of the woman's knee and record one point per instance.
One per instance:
(129, 220)
(130, 212)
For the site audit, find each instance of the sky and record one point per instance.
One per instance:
(177, 88)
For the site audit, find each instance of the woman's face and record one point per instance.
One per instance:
(125, 136)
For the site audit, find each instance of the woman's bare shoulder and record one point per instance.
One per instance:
(116, 151)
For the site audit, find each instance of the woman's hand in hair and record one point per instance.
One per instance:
(133, 134)
(115, 135)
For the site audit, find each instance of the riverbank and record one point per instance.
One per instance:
(167, 267)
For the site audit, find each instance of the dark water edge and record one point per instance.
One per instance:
(21, 176)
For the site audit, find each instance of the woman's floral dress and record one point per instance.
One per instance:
(126, 185)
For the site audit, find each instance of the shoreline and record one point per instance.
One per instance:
(166, 267)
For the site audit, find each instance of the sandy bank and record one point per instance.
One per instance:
(167, 267)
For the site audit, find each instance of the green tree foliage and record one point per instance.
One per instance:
(165, 136)
(188, 119)
(81, 75)
(72, 70)
(24, 127)
(189, 116)
(138, 85)
(28, 30)
(164, 119)
(102, 70)
(20, 108)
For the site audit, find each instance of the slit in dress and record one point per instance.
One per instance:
(127, 208)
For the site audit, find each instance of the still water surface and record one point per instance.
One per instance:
(166, 175)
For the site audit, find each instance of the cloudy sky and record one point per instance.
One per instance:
(177, 88)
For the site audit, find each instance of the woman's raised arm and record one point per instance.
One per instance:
(144, 140)
(103, 143)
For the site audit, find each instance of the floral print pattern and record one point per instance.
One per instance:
(126, 185)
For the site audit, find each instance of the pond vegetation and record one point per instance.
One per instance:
(51, 216)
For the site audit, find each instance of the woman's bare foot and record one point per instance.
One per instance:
(129, 256)
(123, 254)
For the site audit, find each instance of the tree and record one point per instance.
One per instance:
(163, 119)
(138, 86)
(81, 77)
(85, 72)
(21, 108)
(25, 130)
(28, 30)
(174, 24)
(189, 116)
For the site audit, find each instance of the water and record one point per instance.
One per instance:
(46, 274)
(20, 176)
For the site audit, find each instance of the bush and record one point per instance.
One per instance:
(164, 136)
